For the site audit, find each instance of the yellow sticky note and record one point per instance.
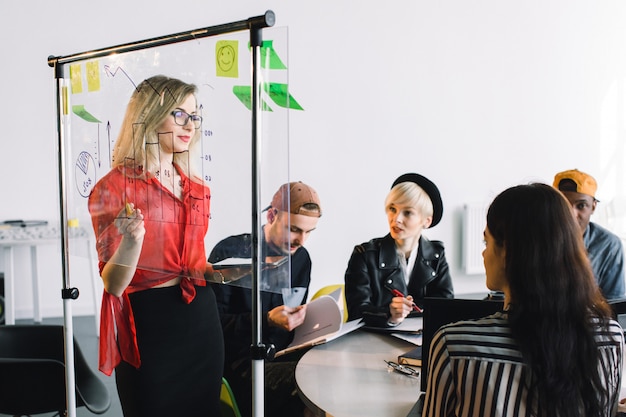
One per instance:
(72, 223)
(93, 76)
(76, 78)
(65, 101)
(227, 59)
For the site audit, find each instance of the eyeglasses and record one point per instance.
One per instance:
(182, 118)
(408, 371)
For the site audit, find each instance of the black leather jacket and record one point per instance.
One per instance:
(374, 265)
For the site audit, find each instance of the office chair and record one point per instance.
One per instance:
(328, 290)
(32, 373)
(618, 306)
(228, 404)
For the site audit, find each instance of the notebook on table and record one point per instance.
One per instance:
(441, 311)
(323, 323)
(412, 358)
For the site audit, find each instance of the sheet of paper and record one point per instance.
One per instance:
(292, 297)
(409, 325)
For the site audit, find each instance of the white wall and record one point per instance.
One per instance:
(476, 95)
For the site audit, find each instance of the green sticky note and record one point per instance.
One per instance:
(79, 110)
(279, 93)
(269, 56)
(244, 94)
(226, 59)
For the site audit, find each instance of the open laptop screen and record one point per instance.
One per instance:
(440, 311)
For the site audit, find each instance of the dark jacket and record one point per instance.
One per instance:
(235, 302)
(235, 308)
(375, 264)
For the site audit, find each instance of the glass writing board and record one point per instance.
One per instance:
(218, 165)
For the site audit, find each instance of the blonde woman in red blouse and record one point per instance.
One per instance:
(160, 327)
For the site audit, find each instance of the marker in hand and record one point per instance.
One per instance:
(129, 209)
(397, 293)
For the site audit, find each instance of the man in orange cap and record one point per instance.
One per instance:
(603, 247)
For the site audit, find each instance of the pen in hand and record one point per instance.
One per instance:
(397, 293)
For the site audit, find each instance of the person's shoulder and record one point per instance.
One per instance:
(598, 229)
(243, 237)
(615, 327)
(301, 258)
(302, 253)
(496, 320)
(232, 246)
(371, 245)
(609, 334)
(431, 250)
(597, 232)
(301, 265)
(196, 183)
(485, 338)
(494, 325)
(436, 244)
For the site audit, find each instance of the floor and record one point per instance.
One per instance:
(85, 334)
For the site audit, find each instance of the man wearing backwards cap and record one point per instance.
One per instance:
(603, 247)
(291, 217)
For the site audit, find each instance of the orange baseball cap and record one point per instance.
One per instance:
(293, 197)
(577, 181)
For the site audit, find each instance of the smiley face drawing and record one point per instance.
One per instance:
(226, 58)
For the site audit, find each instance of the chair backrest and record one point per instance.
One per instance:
(441, 311)
(329, 289)
(619, 311)
(32, 369)
(228, 404)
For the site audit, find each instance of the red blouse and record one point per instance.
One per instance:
(173, 246)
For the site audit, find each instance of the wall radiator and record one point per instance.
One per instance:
(473, 228)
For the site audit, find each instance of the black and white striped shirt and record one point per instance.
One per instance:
(476, 369)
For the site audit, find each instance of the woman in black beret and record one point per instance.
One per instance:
(388, 277)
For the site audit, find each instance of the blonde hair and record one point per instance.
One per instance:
(137, 145)
(412, 195)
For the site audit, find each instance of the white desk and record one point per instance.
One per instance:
(348, 377)
(33, 237)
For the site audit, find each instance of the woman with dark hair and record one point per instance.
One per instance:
(554, 350)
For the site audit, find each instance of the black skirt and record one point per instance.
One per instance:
(182, 354)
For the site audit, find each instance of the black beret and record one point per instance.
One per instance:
(430, 188)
